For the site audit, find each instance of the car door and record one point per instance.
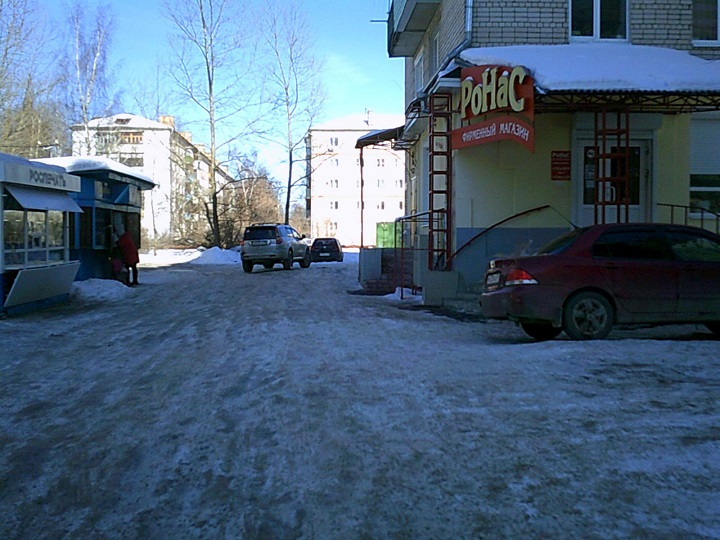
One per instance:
(698, 262)
(639, 271)
(298, 246)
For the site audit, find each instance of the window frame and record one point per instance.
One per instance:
(707, 42)
(596, 23)
(40, 245)
(698, 208)
(418, 74)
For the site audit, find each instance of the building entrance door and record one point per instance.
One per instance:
(639, 187)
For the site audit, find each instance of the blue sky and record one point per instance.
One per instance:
(358, 73)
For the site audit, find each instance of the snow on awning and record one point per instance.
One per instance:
(90, 164)
(607, 67)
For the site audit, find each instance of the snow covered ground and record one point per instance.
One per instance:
(210, 403)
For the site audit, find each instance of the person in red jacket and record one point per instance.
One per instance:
(130, 255)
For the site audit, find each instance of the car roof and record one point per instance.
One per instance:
(599, 229)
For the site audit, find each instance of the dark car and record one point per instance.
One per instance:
(326, 249)
(592, 278)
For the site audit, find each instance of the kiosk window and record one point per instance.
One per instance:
(33, 237)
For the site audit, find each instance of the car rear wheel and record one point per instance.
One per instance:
(714, 327)
(306, 260)
(587, 315)
(247, 266)
(287, 263)
(540, 331)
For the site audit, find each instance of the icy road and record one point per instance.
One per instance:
(209, 403)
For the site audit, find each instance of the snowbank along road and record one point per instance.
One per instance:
(209, 403)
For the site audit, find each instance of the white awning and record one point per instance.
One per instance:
(36, 199)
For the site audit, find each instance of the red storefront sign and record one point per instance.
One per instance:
(501, 128)
(502, 99)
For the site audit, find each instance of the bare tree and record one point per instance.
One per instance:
(293, 78)
(31, 123)
(89, 86)
(213, 70)
(148, 94)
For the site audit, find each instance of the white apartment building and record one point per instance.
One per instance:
(172, 212)
(337, 200)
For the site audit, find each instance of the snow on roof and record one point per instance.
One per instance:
(126, 120)
(362, 122)
(607, 67)
(80, 164)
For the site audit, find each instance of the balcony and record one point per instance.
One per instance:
(408, 21)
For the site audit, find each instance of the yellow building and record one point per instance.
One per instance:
(524, 120)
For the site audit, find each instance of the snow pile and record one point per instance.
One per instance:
(605, 66)
(404, 296)
(216, 255)
(164, 257)
(99, 289)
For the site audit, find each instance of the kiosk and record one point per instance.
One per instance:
(36, 265)
(111, 199)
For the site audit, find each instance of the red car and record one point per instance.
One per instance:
(592, 278)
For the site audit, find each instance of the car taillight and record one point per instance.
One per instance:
(518, 276)
(278, 239)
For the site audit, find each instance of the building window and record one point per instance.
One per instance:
(333, 205)
(434, 54)
(105, 139)
(598, 19)
(401, 205)
(131, 160)
(705, 193)
(131, 137)
(419, 77)
(380, 162)
(705, 20)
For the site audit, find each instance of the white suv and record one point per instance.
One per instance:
(271, 243)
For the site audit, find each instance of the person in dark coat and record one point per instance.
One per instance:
(130, 255)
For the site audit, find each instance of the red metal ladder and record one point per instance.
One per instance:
(612, 165)
(440, 182)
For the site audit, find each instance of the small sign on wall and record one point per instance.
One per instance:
(560, 166)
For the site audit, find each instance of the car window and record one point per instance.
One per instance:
(633, 244)
(324, 242)
(259, 233)
(561, 243)
(688, 246)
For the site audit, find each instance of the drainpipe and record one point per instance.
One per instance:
(362, 199)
